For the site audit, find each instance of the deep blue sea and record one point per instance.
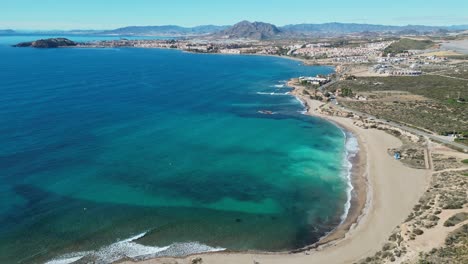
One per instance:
(111, 153)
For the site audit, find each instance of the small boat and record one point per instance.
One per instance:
(265, 112)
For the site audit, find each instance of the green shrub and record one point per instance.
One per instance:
(456, 219)
(418, 231)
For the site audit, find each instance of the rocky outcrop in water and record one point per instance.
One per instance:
(48, 43)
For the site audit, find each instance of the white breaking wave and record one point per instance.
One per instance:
(129, 248)
(304, 107)
(272, 93)
(352, 145)
(279, 85)
(351, 150)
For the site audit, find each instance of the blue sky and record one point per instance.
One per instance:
(103, 14)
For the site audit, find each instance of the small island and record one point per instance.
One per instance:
(47, 43)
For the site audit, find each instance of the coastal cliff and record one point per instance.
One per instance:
(47, 43)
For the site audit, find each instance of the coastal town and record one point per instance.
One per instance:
(376, 87)
(372, 54)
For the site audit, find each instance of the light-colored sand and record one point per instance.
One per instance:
(364, 71)
(432, 238)
(394, 190)
(435, 237)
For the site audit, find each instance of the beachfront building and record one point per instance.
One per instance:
(314, 80)
(405, 73)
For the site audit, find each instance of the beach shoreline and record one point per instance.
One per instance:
(375, 207)
(360, 193)
(359, 198)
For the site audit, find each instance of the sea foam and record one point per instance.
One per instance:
(351, 150)
(303, 111)
(272, 93)
(279, 86)
(128, 248)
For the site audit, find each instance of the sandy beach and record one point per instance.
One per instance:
(384, 193)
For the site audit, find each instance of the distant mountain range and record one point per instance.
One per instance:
(169, 30)
(346, 28)
(6, 31)
(259, 30)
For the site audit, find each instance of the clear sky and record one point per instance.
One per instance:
(108, 14)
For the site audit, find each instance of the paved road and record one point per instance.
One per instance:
(410, 129)
(335, 80)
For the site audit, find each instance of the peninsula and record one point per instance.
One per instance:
(48, 43)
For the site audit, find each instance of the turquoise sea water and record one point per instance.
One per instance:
(107, 153)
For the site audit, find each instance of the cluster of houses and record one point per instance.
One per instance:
(393, 60)
(412, 59)
(436, 58)
(390, 70)
(353, 59)
(405, 72)
(358, 54)
(411, 64)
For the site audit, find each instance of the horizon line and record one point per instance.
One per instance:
(185, 26)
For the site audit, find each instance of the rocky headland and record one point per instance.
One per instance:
(48, 43)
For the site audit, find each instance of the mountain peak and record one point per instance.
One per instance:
(251, 30)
